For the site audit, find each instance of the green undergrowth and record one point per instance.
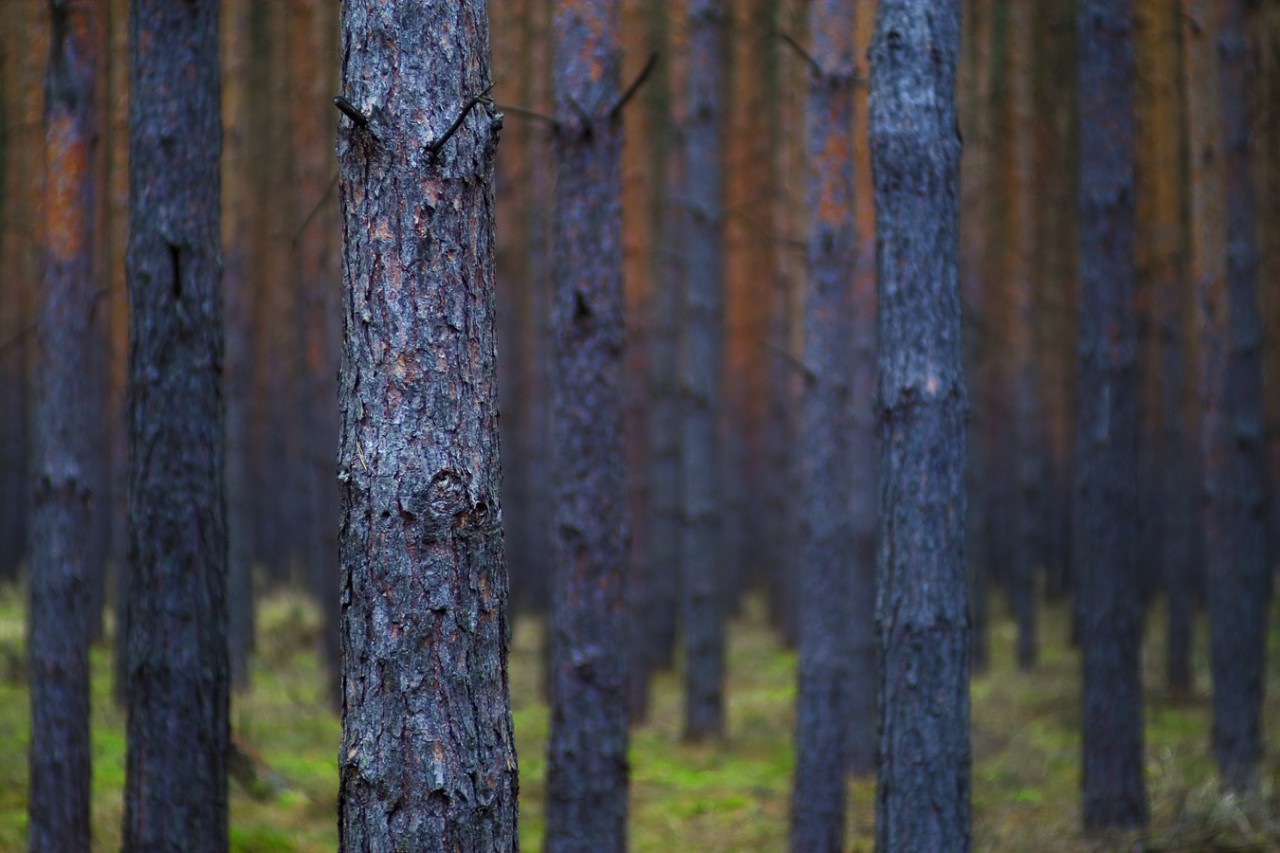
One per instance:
(727, 796)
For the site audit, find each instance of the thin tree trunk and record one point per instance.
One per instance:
(1160, 192)
(922, 796)
(587, 752)
(176, 787)
(63, 489)
(427, 756)
(1231, 395)
(702, 358)
(1114, 792)
(824, 699)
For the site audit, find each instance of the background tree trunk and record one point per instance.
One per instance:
(702, 357)
(63, 490)
(587, 753)
(427, 757)
(176, 789)
(824, 701)
(1106, 537)
(922, 794)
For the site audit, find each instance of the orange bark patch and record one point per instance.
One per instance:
(68, 169)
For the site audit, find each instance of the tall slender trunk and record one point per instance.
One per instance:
(63, 491)
(1105, 538)
(825, 663)
(922, 795)
(702, 356)
(427, 756)
(176, 786)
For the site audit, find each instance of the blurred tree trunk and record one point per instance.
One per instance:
(176, 786)
(312, 63)
(1024, 476)
(824, 701)
(64, 426)
(1114, 792)
(864, 450)
(1161, 238)
(702, 366)
(1224, 264)
(587, 750)
(922, 797)
(238, 228)
(1265, 25)
(428, 760)
(978, 71)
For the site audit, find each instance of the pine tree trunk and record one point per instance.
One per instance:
(702, 355)
(824, 699)
(1231, 385)
(922, 797)
(62, 491)
(427, 756)
(176, 788)
(587, 753)
(1105, 549)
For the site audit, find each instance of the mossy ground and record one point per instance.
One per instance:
(731, 796)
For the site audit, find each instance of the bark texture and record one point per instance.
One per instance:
(702, 356)
(177, 670)
(1105, 550)
(62, 489)
(824, 702)
(427, 760)
(922, 795)
(587, 751)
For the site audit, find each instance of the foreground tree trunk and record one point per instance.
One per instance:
(587, 752)
(922, 795)
(825, 655)
(177, 670)
(1106, 492)
(427, 756)
(64, 420)
(702, 357)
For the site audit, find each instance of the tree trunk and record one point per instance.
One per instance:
(587, 752)
(427, 756)
(1105, 537)
(702, 355)
(63, 491)
(1161, 235)
(922, 796)
(1231, 399)
(176, 788)
(824, 699)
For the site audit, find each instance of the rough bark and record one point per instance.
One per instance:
(1231, 388)
(702, 355)
(1114, 792)
(176, 788)
(65, 423)
(587, 750)
(1161, 235)
(922, 795)
(427, 761)
(824, 701)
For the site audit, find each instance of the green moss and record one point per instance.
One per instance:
(732, 796)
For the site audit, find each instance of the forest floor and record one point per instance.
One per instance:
(732, 796)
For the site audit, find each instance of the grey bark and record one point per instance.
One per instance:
(427, 760)
(176, 787)
(702, 356)
(825, 664)
(63, 490)
(922, 795)
(587, 752)
(1105, 548)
